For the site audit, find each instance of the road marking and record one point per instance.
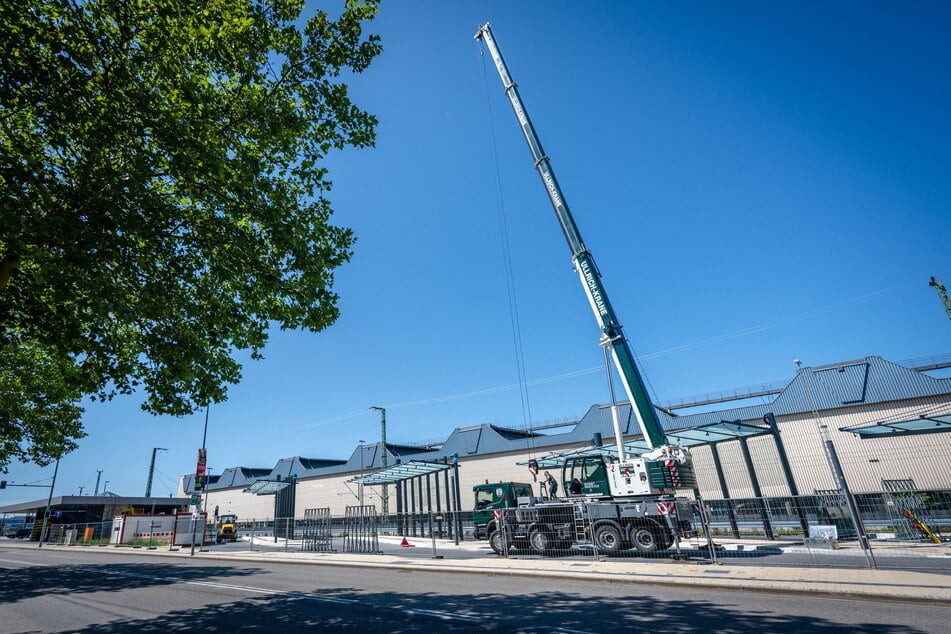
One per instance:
(449, 616)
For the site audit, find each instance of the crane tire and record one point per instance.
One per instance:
(607, 538)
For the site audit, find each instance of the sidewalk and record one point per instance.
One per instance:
(843, 583)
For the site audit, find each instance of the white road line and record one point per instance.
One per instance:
(446, 615)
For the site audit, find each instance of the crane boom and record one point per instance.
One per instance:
(612, 337)
(942, 294)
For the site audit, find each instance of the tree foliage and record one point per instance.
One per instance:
(163, 197)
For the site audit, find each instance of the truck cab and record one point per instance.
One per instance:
(490, 497)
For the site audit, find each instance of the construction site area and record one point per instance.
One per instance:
(844, 464)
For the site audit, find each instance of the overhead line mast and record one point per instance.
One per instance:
(612, 337)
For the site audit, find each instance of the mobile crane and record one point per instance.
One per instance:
(625, 502)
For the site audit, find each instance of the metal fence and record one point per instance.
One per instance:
(896, 529)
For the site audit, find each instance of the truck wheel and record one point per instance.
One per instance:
(644, 539)
(495, 541)
(541, 541)
(607, 539)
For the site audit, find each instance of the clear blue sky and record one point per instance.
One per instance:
(758, 182)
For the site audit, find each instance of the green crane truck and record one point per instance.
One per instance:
(617, 503)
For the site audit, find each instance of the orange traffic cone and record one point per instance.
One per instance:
(405, 543)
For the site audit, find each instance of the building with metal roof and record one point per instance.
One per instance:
(736, 451)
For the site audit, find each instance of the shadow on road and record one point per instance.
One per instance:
(18, 584)
(348, 609)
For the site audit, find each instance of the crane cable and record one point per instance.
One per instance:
(510, 285)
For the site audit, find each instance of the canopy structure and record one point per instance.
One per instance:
(267, 487)
(419, 495)
(921, 425)
(400, 472)
(691, 437)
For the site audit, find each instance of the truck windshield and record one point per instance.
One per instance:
(483, 498)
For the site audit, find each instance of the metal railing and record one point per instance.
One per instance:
(906, 529)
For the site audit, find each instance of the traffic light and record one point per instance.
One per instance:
(3, 484)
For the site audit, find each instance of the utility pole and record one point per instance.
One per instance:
(384, 499)
(98, 475)
(942, 294)
(148, 486)
(360, 485)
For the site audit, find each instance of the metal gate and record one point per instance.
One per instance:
(362, 530)
(316, 530)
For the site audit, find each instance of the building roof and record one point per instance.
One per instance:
(863, 381)
(91, 500)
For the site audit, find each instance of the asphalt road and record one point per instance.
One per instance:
(91, 591)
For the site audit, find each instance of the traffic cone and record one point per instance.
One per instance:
(405, 544)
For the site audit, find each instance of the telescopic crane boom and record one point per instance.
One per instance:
(612, 337)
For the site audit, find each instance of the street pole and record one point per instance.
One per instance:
(385, 497)
(49, 502)
(200, 473)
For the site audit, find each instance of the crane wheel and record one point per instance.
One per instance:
(645, 539)
(607, 539)
(541, 541)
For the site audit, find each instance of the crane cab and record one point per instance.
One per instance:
(595, 477)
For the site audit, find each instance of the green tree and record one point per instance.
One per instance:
(163, 197)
